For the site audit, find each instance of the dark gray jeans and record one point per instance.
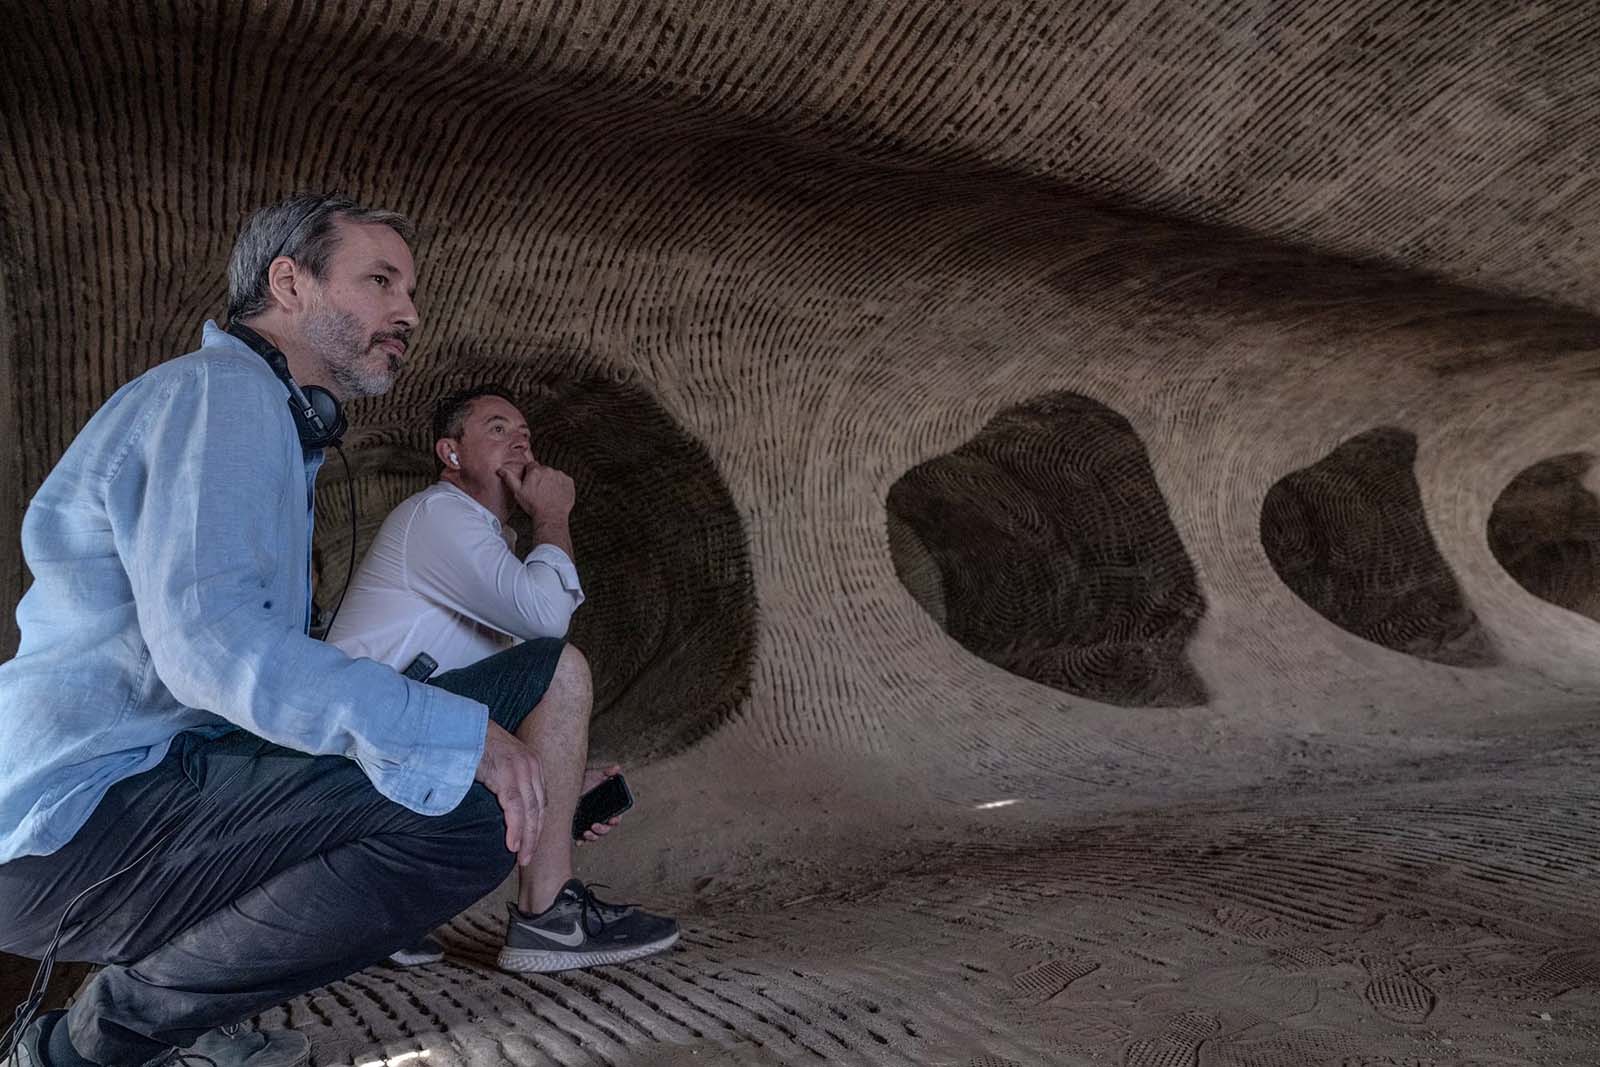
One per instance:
(283, 872)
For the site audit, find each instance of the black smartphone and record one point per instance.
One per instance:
(610, 798)
(421, 667)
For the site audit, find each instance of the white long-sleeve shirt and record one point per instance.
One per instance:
(441, 579)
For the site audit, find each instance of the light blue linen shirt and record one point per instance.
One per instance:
(170, 552)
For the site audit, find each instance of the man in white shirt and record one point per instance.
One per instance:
(441, 579)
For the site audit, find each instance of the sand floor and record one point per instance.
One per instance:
(1408, 911)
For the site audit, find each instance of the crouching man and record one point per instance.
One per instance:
(441, 579)
(223, 811)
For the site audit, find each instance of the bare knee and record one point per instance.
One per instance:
(572, 675)
(569, 696)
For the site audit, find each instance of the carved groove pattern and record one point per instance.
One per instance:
(1348, 535)
(1055, 554)
(1545, 531)
(826, 240)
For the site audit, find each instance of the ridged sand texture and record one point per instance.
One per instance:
(819, 247)
(1092, 404)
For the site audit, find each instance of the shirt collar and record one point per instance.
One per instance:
(212, 335)
(494, 519)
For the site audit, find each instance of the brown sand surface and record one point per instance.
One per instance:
(1348, 907)
(1088, 508)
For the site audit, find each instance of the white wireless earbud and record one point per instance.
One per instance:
(454, 460)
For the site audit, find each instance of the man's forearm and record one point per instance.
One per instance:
(554, 532)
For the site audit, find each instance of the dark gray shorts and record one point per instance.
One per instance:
(510, 682)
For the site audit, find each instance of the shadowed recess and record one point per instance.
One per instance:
(1045, 546)
(1545, 531)
(669, 621)
(1349, 536)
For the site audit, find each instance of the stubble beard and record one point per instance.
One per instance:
(338, 338)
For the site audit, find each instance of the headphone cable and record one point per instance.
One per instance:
(28, 1010)
(350, 566)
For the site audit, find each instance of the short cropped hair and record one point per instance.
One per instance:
(302, 228)
(450, 413)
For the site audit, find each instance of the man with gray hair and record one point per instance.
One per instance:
(194, 792)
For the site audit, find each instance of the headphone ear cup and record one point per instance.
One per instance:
(323, 403)
(326, 405)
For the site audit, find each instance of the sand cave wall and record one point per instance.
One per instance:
(770, 277)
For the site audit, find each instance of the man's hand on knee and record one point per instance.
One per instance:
(591, 778)
(512, 772)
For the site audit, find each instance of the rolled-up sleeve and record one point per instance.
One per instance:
(456, 558)
(197, 500)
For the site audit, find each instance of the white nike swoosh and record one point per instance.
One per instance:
(571, 940)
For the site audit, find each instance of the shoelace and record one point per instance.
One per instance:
(589, 904)
(182, 1057)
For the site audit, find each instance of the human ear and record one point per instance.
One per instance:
(282, 279)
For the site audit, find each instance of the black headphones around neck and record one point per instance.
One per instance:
(318, 419)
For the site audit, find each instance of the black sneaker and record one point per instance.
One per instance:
(229, 1046)
(234, 1046)
(32, 1042)
(581, 930)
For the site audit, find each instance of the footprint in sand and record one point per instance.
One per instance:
(1178, 1045)
(1252, 924)
(1051, 978)
(1568, 970)
(1395, 994)
(1286, 1048)
(1303, 958)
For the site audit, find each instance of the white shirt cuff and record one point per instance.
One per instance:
(562, 564)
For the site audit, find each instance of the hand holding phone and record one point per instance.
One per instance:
(605, 801)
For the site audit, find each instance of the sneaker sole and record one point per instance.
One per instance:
(415, 961)
(545, 961)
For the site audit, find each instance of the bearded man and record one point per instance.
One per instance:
(194, 792)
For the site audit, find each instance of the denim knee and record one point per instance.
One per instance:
(479, 836)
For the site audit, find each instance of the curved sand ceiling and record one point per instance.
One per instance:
(794, 254)
(822, 306)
